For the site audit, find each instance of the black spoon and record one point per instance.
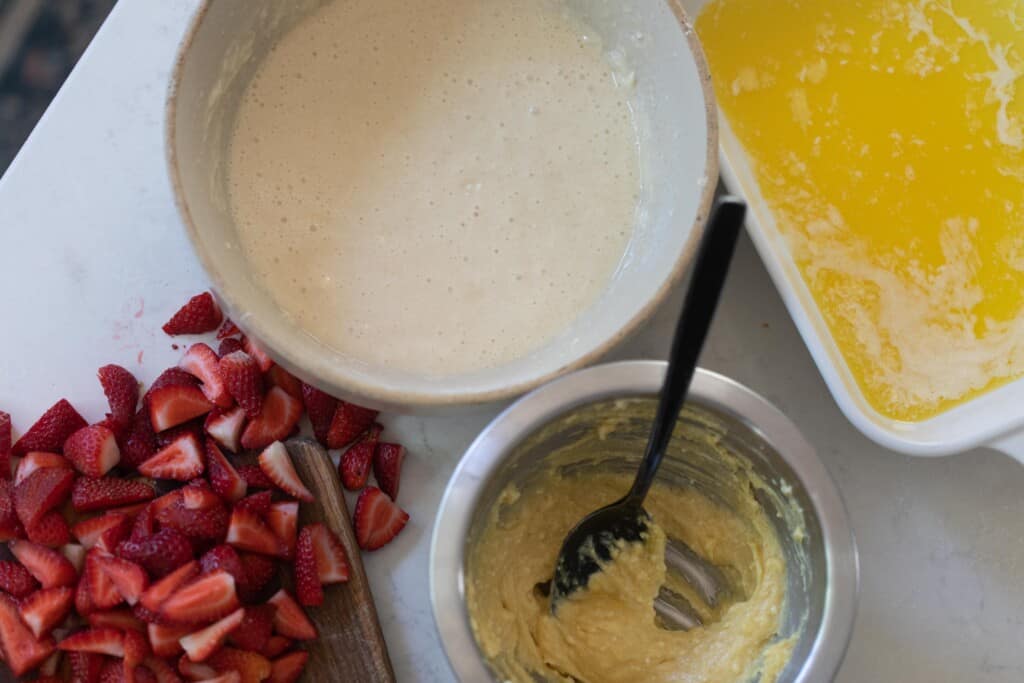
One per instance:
(592, 541)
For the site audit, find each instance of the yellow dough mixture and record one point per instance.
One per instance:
(607, 632)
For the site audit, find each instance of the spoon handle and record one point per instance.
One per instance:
(709, 271)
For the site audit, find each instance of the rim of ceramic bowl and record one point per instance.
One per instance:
(618, 380)
(333, 378)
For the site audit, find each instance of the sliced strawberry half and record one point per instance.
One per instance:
(196, 512)
(289, 668)
(51, 430)
(129, 579)
(199, 315)
(248, 532)
(349, 423)
(258, 502)
(224, 478)
(51, 530)
(277, 465)
(377, 519)
(5, 445)
(256, 628)
(22, 650)
(278, 417)
(107, 492)
(44, 609)
(75, 554)
(41, 492)
(16, 580)
(154, 596)
(175, 404)
(49, 567)
(283, 520)
(37, 460)
(320, 407)
(254, 477)
(307, 585)
(140, 443)
(355, 463)
(279, 377)
(387, 467)
(92, 450)
(100, 641)
(181, 460)
(122, 392)
(290, 620)
(103, 593)
(240, 376)
(226, 427)
(159, 554)
(122, 619)
(252, 667)
(202, 362)
(209, 597)
(331, 559)
(165, 639)
(89, 532)
(223, 557)
(253, 349)
(196, 671)
(203, 643)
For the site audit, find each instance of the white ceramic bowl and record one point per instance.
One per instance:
(218, 57)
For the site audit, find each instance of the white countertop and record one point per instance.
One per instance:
(93, 260)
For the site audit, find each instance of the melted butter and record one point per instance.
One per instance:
(888, 140)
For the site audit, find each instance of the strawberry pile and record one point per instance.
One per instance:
(163, 542)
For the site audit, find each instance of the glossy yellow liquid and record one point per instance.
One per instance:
(888, 140)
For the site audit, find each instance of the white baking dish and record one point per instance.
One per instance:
(994, 419)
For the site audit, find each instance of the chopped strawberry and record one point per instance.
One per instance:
(49, 567)
(229, 345)
(44, 609)
(254, 477)
(290, 620)
(276, 645)
(288, 668)
(129, 578)
(256, 628)
(195, 671)
(107, 492)
(307, 585)
(203, 643)
(181, 460)
(121, 619)
(92, 450)
(283, 520)
(162, 671)
(277, 465)
(240, 375)
(85, 667)
(228, 329)
(254, 350)
(37, 460)
(387, 467)
(199, 315)
(5, 445)
(258, 502)
(164, 639)
(51, 430)
(159, 554)
(248, 532)
(41, 492)
(22, 651)
(136, 650)
(331, 558)
(144, 525)
(171, 377)
(377, 519)
(140, 443)
(51, 530)
(122, 392)
(16, 580)
(196, 512)
(209, 597)
(48, 669)
(278, 417)
(320, 407)
(260, 577)
(252, 667)
(100, 641)
(223, 557)
(10, 525)
(223, 476)
(103, 593)
(193, 428)
(202, 362)
(226, 427)
(348, 423)
(154, 596)
(105, 530)
(279, 377)
(83, 597)
(174, 404)
(355, 463)
(75, 554)
(120, 430)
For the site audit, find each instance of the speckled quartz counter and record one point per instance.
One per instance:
(93, 259)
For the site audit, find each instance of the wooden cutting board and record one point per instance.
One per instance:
(350, 646)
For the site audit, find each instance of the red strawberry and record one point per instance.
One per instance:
(348, 423)
(37, 460)
(223, 476)
(277, 465)
(288, 668)
(331, 559)
(128, 577)
(154, 596)
(283, 520)
(10, 525)
(252, 667)
(197, 672)
(276, 645)
(256, 628)
(387, 467)
(104, 530)
(240, 375)
(121, 619)
(193, 428)
(171, 377)
(307, 584)
(51, 530)
(100, 641)
(50, 430)
(279, 377)
(16, 580)
(290, 620)
(103, 593)
(122, 392)
(260, 575)
(92, 450)
(278, 417)
(202, 362)
(201, 644)
(320, 407)
(140, 444)
(257, 502)
(49, 567)
(201, 314)
(254, 477)
(195, 512)
(225, 558)
(229, 345)
(181, 460)
(377, 519)
(83, 597)
(254, 350)
(136, 650)
(107, 492)
(44, 609)
(226, 428)
(75, 554)
(228, 329)
(144, 525)
(42, 491)
(5, 445)
(159, 554)
(174, 404)
(164, 639)
(162, 671)
(85, 667)
(248, 532)
(22, 651)
(209, 597)
(354, 465)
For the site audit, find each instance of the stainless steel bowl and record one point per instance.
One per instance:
(822, 572)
